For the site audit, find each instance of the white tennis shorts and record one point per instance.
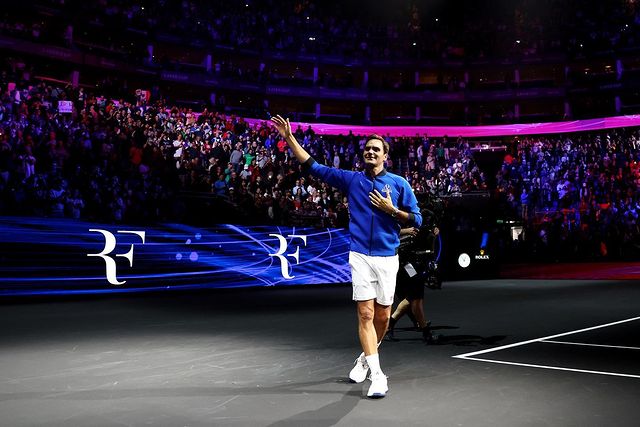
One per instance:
(373, 277)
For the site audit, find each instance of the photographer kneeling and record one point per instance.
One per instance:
(417, 270)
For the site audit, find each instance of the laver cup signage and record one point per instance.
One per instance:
(44, 256)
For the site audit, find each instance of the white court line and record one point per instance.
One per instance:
(490, 350)
(556, 368)
(591, 345)
(469, 356)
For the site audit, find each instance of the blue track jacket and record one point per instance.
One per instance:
(373, 232)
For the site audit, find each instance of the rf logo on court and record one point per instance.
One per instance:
(109, 246)
(284, 262)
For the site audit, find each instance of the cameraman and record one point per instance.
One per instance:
(417, 269)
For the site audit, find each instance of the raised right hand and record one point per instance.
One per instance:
(283, 126)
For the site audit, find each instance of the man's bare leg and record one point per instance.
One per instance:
(381, 320)
(401, 310)
(366, 329)
(373, 320)
(417, 308)
(370, 319)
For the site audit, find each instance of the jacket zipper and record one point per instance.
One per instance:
(373, 187)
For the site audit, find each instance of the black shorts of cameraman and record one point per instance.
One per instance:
(409, 288)
(410, 294)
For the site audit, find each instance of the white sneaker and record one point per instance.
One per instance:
(359, 372)
(378, 387)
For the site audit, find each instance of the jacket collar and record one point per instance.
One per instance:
(383, 172)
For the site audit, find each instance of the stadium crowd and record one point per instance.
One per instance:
(473, 30)
(118, 161)
(578, 194)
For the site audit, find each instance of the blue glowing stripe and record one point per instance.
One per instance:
(485, 240)
(50, 256)
(439, 247)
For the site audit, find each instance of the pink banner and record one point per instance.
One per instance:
(472, 131)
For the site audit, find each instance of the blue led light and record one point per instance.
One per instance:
(49, 256)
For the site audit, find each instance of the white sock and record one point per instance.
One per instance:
(362, 356)
(374, 363)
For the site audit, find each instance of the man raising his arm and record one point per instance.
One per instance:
(379, 202)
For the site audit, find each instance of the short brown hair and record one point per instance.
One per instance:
(385, 144)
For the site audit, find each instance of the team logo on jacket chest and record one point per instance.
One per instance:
(386, 190)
